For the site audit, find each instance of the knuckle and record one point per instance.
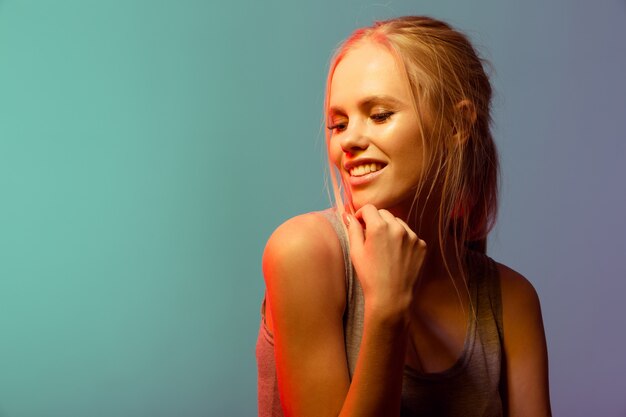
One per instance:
(374, 226)
(397, 231)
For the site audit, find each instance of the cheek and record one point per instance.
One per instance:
(334, 153)
(412, 160)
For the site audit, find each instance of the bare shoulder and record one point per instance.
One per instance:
(519, 296)
(303, 266)
(305, 240)
(525, 347)
(302, 237)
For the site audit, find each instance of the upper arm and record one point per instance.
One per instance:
(304, 273)
(524, 347)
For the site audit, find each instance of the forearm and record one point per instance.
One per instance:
(376, 386)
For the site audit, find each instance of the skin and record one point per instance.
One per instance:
(381, 124)
(413, 314)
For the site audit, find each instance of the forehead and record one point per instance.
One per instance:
(368, 69)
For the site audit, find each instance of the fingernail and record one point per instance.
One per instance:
(346, 218)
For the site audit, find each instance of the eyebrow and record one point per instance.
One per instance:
(370, 101)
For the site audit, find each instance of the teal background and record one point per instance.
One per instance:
(149, 148)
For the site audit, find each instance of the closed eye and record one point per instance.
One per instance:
(381, 117)
(338, 127)
(376, 117)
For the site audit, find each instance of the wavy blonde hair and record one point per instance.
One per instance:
(448, 79)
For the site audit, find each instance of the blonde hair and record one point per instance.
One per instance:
(447, 76)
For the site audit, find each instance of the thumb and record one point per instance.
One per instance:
(355, 231)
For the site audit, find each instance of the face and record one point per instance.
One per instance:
(375, 137)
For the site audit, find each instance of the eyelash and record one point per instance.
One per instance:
(381, 117)
(377, 118)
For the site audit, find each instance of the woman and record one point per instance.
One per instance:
(387, 305)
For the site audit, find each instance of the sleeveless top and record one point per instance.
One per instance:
(470, 387)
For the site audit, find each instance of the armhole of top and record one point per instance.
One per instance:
(266, 330)
(495, 296)
(333, 218)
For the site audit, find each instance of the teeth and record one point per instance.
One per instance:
(365, 169)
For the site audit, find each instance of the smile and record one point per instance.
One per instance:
(364, 174)
(365, 169)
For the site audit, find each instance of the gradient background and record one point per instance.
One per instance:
(149, 148)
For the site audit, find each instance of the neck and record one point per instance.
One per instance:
(438, 265)
(442, 261)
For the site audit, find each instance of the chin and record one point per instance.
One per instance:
(394, 204)
(379, 203)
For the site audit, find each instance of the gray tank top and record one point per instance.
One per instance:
(471, 387)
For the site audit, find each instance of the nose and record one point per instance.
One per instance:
(354, 139)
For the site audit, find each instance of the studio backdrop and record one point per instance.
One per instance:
(149, 148)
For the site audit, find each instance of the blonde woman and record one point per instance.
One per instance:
(386, 304)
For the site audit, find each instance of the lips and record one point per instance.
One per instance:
(363, 171)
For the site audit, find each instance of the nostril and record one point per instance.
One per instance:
(353, 145)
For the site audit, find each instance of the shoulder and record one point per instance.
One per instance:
(305, 229)
(303, 260)
(519, 297)
(524, 336)
(525, 348)
(307, 238)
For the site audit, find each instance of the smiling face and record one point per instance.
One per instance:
(376, 140)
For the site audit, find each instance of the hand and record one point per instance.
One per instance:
(387, 256)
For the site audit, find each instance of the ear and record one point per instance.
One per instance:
(464, 119)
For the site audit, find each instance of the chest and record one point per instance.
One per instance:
(440, 328)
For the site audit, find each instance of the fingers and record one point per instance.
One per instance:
(372, 218)
(368, 215)
(408, 229)
(355, 231)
